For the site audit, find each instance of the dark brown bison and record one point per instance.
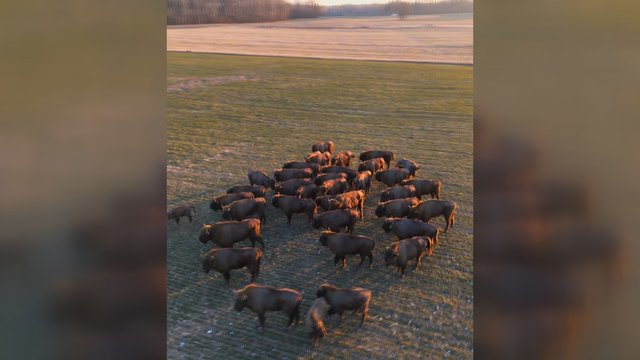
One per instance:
(307, 191)
(242, 209)
(426, 210)
(256, 190)
(335, 220)
(315, 319)
(333, 187)
(325, 146)
(398, 192)
(225, 260)
(315, 167)
(407, 228)
(342, 245)
(322, 158)
(262, 298)
(180, 211)
(262, 179)
(353, 200)
(227, 233)
(293, 205)
(410, 165)
(392, 176)
(351, 174)
(328, 176)
(342, 158)
(288, 174)
(220, 201)
(396, 208)
(341, 299)
(400, 252)
(290, 187)
(374, 165)
(388, 156)
(425, 187)
(324, 201)
(362, 181)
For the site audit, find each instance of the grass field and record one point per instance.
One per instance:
(228, 114)
(445, 38)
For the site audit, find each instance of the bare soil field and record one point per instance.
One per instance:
(428, 38)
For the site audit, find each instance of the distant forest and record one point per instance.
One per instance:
(183, 12)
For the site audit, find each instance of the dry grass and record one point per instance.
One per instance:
(427, 38)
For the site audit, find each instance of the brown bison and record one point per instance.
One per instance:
(290, 187)
(362, 181)
(425, 187)
(374, 165)
(220, 201)
(288, 174)
(256, 190)
(262, 179)
(353, 200)
(392, 176)
(321, 158)
(406, 228)
(398, 192)
(315, 167)
(227, 233)
(426, 210)
(225, 260)
(410, 165)
(315, 319)
(333, 187)
(262, 298)
(293, 205)
(388, 156)
(180, 211)
(342, 245)
(325, 146)
(335, 220)
(324, 201)
(351, 174)
(396, 208)
(328, 176)
(342, 158)
(341, 299)
(309, 191)
(242, 209)
(399, 253)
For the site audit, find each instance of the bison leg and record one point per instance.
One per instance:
(335, 260)
(362, 257)
(259, 240)
(370, 255)
(178, 220)
(344, 262)
(402, 269)
(289, 216)
(263, 217)
(261, 320)
(190, 219)
(365, 313)
(227, 277)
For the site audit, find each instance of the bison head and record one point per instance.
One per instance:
(387, 225)
(205, 234)
(430, 246)
(324, 237)
(334, 204)
(241, 300)
(207, 264)
(274, 201)
(322, 290)
(272, 183)
(380, 210)
(226, 212)
(316, 223)
(215, 205)
(390, 255)
(378, 175)
(362, 167)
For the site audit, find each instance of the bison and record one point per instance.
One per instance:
(351, 174)
(342, 158)
(262, 179)
(225, 260)
(335, 220)
(428, 209)
(388, 156)
(410, 165)
(315, 319)
(392, 176)
(293, 205)
(262, 298)
(341, 299)
(350, 200)
(180, 211)
(396, 208)
(315, 167)
(374, 165)
(406, 228)
(242, 209)
(333, 187)
(219, 202)
(321, 158)
(227, 233)
(399, 253)
(324, 201)
(425, 187)
(362, 181)
(398, 192)
(328, 176)
(288, 174)
(325, 146)
(256, 190)
(342, 245)
(290, 187)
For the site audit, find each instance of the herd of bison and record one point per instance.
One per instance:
(324, 180)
